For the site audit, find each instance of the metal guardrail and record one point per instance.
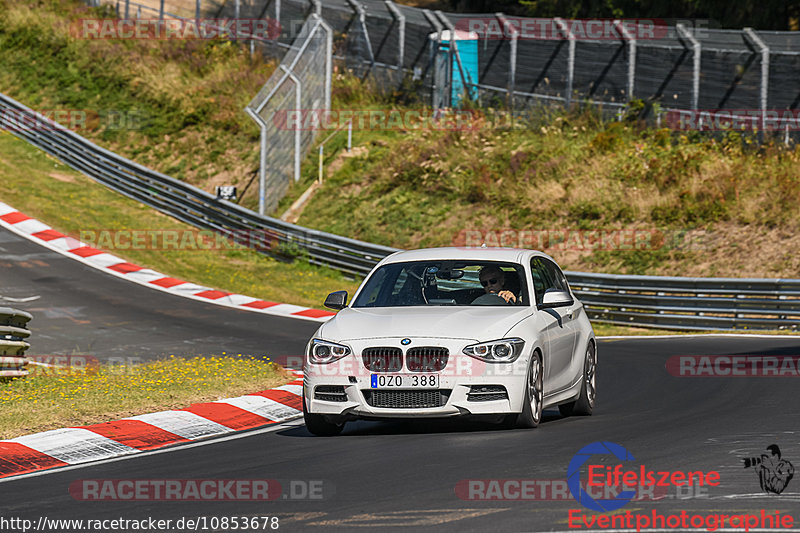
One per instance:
(13, 332)
(647, 301)
(689, 303)
(183, 201)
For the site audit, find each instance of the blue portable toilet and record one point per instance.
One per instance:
(467, 43)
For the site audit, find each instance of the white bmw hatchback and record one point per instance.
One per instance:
(448, 332)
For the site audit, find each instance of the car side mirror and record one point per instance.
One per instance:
(336, 300)
(555, 298)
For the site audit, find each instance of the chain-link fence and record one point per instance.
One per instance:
(518, 60)
(301, 85)
(694, 77)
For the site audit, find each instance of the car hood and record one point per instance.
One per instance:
(475, 323)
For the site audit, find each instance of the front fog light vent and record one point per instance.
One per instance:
(487, 393)
(330, 393)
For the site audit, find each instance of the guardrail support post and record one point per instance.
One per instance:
(197, 9)
(127, 9)
(684, 37)
(349, 134)
(161, 10)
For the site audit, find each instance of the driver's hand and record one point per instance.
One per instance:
(508, 296)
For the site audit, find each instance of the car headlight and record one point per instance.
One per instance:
(500, 351)
(321, 352)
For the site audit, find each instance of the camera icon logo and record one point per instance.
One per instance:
(774, 473)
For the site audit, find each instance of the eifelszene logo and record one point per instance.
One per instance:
(773, 472)
(615, 477)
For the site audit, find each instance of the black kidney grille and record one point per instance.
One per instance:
(383, 359)
(427, 359)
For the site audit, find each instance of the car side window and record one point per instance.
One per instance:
(541, 280)
(557, 277)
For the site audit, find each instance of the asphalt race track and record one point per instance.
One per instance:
(80, 310)
(402, 476)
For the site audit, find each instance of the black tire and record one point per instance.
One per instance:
(531, 414)
(584, 403)
(317, 424)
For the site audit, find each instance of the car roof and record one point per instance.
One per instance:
(510, 255)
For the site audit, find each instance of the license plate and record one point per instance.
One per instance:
(404, 381)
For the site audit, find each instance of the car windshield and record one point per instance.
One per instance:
(441, 282)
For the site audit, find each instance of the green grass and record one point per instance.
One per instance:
(705, 200)
(182, 100)
(51, 398)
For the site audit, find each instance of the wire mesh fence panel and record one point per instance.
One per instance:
(287, 109)
(664, 74)
(368, 37)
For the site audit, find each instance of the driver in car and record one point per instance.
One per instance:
(493, 281)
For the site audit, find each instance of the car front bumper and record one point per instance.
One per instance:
(466, 386)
